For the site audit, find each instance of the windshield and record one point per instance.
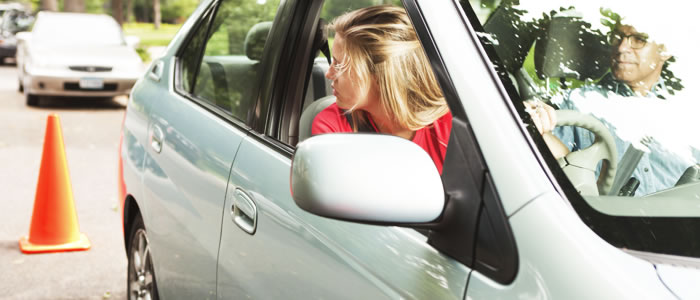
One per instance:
(607, 88)
(76, 29)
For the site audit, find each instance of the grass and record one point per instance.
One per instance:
(149, 36)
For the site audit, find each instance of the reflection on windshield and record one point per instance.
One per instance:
(592, 59)
(620, 70)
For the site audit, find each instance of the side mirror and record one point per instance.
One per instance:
(367, 178)
(132, 41)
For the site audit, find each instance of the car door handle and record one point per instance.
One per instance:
(244, 212)
(156, 71)
(156, 138)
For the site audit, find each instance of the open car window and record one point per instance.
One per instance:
(621, 81)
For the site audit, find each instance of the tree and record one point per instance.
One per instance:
(74, 5)
(50, 5)
(156, 14)
(129, 10)
(117, 11)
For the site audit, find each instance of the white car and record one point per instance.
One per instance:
(72, 54)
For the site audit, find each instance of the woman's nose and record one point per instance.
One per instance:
(330, 73)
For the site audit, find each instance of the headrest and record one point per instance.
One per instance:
(309, 114)
(570, 49)
(255, 40)
(514, 36)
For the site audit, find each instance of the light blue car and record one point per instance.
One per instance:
(226, 195)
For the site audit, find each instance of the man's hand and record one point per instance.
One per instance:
(542, 115)
(545, 120)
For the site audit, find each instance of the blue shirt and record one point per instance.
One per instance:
(658, 169)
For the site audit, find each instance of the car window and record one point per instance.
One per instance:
(229, 71)
(619, 81)
(68, 30)
(189, 58)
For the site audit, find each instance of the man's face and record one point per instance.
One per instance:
(635, 59)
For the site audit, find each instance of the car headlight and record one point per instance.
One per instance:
(38, 63)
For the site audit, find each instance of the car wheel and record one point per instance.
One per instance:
(21, 86)
(32, 100)
(141, 279)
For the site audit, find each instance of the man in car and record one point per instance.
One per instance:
(636, 67)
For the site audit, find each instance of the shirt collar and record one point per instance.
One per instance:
(609, 82)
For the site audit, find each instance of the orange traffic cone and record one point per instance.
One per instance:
(54, 226)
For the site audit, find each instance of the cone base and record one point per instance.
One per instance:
(29, 248)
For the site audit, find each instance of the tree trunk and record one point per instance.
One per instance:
(117, 11)
(74, 5)
(156, 14)
(50, 5)
(129, 10)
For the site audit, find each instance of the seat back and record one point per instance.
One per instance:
(570, 49)
(514, 36)
(230, 81)
(309, 114)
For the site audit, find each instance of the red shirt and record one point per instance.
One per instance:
(433, 139)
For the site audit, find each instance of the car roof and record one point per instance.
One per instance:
(70, 15)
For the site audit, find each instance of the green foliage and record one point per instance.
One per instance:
(610, 19)
(96, 6)
(143, 53)
(333, 8)
(91, 6)
(176, 11)
(233, 21)
(172, 11)
(150, 36)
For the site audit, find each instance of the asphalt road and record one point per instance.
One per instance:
(91, 135)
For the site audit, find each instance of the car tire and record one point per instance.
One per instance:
(141, 279)
(21, 87)
(32, 100)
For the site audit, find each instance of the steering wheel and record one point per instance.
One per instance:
(580, 166)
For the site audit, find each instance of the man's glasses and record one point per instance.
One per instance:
(636, 40)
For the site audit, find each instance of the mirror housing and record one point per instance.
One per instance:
(367, 178)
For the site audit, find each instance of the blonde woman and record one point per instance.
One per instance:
(383, 82)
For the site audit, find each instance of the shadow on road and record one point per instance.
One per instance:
(87, 103)
(12, 245)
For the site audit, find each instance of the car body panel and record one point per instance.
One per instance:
(305, 255)
(482, 101)
(601, 270)
(680, 280)
(184, 186)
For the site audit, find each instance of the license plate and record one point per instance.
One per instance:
(91, 83)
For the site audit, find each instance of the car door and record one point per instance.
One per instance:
(271, 249)
(195, 129)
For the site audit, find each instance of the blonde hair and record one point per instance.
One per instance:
(381, 45)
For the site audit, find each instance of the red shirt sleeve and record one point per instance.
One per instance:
(440, 134)
(331, 119)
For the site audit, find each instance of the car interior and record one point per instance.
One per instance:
(566, 53)
(216, 83)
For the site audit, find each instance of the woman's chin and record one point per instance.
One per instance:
(342, 105)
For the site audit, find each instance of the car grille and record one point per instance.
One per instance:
(74, 86)
(90, 68)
